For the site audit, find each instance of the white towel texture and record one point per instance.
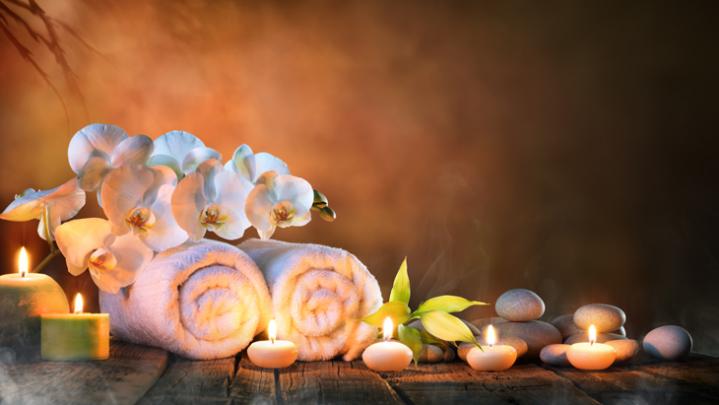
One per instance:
(203, 300)
(319, 296)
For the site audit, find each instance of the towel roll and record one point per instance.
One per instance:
(319, 296)
(203, 300)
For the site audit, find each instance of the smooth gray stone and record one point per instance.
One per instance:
(668, 342)
(537, 334)
(555, 355)
(604, 317)
(601, 338)
(431, 354)
(625, 348)
(519, 305)
(565, 324)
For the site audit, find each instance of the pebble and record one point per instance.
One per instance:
(555, 355)
(625, 348)
(449, 354)
(482, 323)
(601, 338)
(536, 334)
(604, 317)
(565, 324)
(431, 354)
(519, 305)
(668, 342)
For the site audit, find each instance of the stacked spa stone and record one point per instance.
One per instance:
(519, 311)
(609, 321)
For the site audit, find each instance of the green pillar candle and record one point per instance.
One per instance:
(76, 336)
(23, 299)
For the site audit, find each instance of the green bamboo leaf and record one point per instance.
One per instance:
(446, 303)
(446, 327)
(412, 338)
(398, 311)
(400, 288)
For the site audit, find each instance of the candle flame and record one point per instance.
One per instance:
(78, 304)
(387, 328)
(592, 334)
(272, 330)
(23, 262)
(490, 336)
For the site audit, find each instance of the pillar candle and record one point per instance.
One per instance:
(76, 336)
(24, 297)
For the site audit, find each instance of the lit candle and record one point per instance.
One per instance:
(272, 353)
(591, 355)
(492, 357)
(387, 355)
(24, 296)
(76, 336)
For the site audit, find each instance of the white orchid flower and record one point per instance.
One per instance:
(98, 148)
(138, 200)
(113, 260)
(279, 201)
(181, 151)
(212, 199)
(51, 207)
(251, 166)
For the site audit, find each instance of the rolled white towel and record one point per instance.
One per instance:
(203, 300)
(319, 296)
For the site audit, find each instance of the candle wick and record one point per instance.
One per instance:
(272, 340)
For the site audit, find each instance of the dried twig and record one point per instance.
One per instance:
(49, 38)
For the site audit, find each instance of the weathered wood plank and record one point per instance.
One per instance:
(122, 379)
(252, 385)
(191, 382)
(644, 383)
(456, 383)
(334, 382)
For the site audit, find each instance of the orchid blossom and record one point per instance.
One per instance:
(181, 151)
(51, 207)
(98, 148)
(251, 166)
(279, 201)
(137, 200)
(213, 199)
(113, 261)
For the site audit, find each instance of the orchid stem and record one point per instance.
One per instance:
(46, 260)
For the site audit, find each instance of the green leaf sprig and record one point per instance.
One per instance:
(435, 314)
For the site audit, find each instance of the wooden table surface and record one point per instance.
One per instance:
(144, 375)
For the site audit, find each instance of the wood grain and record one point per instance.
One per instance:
(190, 382)
(122, 379)
(334, 382)
(456, 383)
(149, 376)
(690, 382)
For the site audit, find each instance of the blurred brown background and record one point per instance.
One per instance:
(565, 147)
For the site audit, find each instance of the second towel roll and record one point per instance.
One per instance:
(319, 296)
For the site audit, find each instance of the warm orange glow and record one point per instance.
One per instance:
(272, 330)
(387, 328)
(490, 336)
(78, 303)
(23, 262)
(592, 334)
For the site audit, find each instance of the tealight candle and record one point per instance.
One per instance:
(591, 355)
(24, 296)
(76, 336)
(492, 357)
(272, 353)
(388, 355)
